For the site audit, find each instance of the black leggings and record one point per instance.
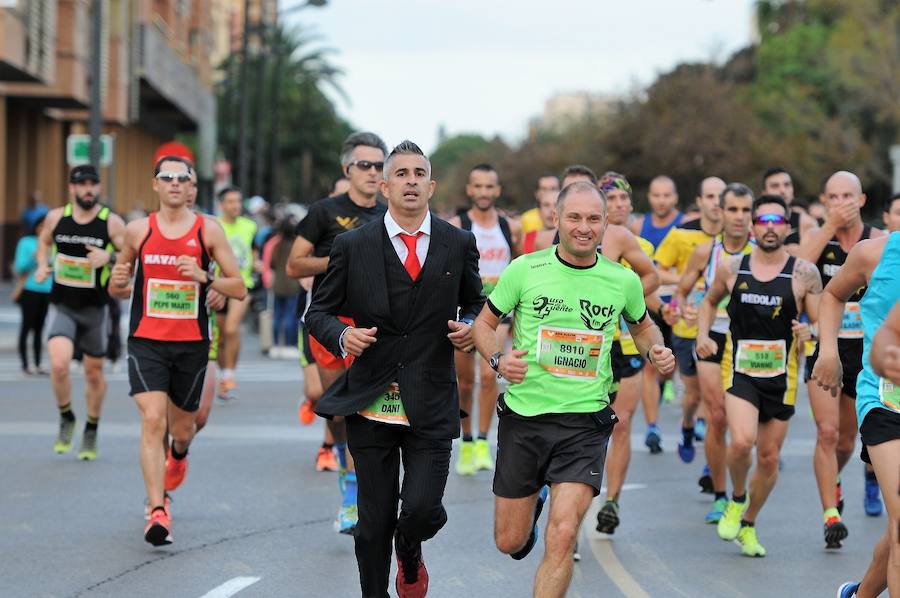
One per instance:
(34, 312)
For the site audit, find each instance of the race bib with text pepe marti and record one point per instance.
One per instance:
(173, 299)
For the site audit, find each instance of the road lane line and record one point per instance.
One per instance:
(612, 566)
(231, 587)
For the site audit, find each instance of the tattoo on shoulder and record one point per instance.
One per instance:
(808, 276)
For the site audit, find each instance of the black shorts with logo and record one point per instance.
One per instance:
(880, 425)
(175, 368)
(850, 351)
(766, 394)
(549, 449)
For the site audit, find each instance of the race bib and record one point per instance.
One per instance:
(173, 299)
(488, 283)
(74, 272)
(569, 353)
(761, 359)
(387, 408)
(889, 393)
(851, 324)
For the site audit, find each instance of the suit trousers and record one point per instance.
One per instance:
(377, 451)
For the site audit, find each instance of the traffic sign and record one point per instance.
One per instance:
(78, 150)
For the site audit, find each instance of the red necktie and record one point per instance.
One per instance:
(412, 265)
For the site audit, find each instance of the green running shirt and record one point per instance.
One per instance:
(240, 235)
(566, 317)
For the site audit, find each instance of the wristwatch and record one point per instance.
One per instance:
(495, 361)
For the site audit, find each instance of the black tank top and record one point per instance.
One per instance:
(833, 257)
(75, 283)
(762, 311)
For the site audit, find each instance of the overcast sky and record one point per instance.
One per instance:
(487, 66)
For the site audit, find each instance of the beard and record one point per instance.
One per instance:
(86, 204)
(769, 245)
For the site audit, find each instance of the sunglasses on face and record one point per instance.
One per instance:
(765, 219)
(366, 165)
(168, 177)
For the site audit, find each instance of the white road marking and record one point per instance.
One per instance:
(231, 587)
(608, 560)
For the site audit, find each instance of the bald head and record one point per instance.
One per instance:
(662, 196)
(845, 199)
(711, 185)
(844, 178)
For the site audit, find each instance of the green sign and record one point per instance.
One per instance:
(78, 150)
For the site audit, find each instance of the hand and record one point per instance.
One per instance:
(189, 268)
(829, 373)
(705, 346)
(802, 331)
(689, 314)
(842, 216)
(42, 273)
(357, 340)
(461, 336)
(512, 366)
(662, 358)
(306, 282)
(670, 313)
(120, 275)
(97, 257)
(891, 363)
(215, 300)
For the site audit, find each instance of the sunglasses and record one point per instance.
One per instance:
(366, 165)
(168, 177)
(764, 219)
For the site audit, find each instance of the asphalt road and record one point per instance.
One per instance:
(254, 518)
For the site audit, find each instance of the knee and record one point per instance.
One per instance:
(424, 518)
(561, 536)
(93, 375)
(154, 422)
(767, 462)
(182, 433)
(623, 427)
(509, 541)
(827, 434)
(59, 369)
(466, 387)
(740, 446)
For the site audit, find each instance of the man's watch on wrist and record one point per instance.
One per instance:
(494, 361)
(210, 279)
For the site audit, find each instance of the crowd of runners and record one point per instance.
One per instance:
(416, 330)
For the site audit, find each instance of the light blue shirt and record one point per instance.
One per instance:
(26, 262)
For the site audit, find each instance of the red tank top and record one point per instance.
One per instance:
(528, 243)
(165, 305)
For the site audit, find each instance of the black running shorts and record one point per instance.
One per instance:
(549, 449)
(850, 351)
(175, 368)
(624, 366)
(880, 425)
(720, 352)
(764, 394)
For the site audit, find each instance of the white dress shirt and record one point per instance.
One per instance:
(394, 230)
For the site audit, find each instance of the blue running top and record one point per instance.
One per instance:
(881, 295)
(655, 234)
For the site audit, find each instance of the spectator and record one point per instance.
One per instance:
(33, 297)
(285, 291)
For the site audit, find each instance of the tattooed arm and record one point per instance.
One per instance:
(807, 288)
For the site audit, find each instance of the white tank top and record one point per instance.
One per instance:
(494, 254)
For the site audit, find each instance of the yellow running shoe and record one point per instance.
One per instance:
(483, 459)
(465, 465)
(750, 546)
(730, 523)
(64, 438)
(88, 451)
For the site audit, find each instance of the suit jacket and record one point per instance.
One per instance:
(415, 353)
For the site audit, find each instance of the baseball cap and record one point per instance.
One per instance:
(82, 173)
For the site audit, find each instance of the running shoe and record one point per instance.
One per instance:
(668, 392)
(532, 539)
(576, 556)
(158, 531)
(325, 460)
(483, 459)
(717, 510)
(705, 482)
(839, 496)
(412, 576)
(848, 589)
(227, 391)
(168, 505)
(88, 450)
(750, 545)
(872, 503)
(64, 437)
(686, 453)
(730, 523)
(347, 519)
(653, 441)
(305, 413)
(700, 429)
(465, 464)
(835, 531)
(608, 517)
(176, 469)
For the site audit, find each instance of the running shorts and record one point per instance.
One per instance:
(87, 328)
(303, 346)
(324, 358)
(765, 394)
(683, 348)
(175, 368)
(880, 425)
(720, 352)
(850, 351)
(549, 449)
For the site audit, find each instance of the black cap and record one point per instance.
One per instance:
(82, 173)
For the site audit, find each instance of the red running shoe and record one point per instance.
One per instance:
(306, 413)
(325, 460)
(158, 531)
(176, 469)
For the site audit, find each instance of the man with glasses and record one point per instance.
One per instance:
(168, 345)
(362, 157)
(768, 289)
(82, 237)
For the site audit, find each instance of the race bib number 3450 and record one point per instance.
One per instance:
(569, 353)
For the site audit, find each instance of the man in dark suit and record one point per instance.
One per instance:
(403, 280)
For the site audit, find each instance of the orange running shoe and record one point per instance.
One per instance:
(306, 413)
(176, 469)
(158, 531)
(326, 461)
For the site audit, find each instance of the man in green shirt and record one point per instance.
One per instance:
(555, 419)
